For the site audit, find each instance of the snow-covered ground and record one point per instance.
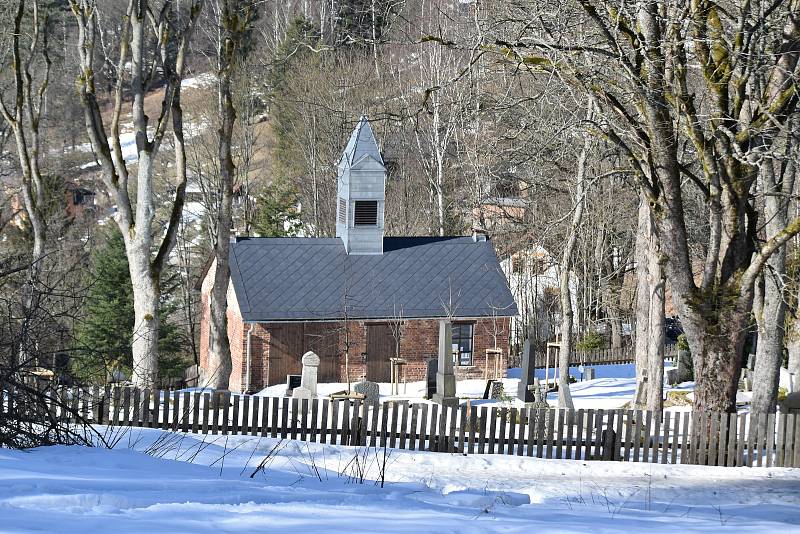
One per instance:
(204, 484)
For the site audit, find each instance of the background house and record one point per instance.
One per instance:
(360, 298)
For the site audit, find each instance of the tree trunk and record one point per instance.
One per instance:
(146, 318)
(769, 353)
(716, 354)
(565, 293)
(218, 374)
(656, 332)
(616, 330)
(642, 305)
(566, 346)
(136, 223)
(23, 118)
(778, 187)
(650, 323)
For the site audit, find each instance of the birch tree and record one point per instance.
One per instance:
(153, 44)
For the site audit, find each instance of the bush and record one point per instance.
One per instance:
(683, 343)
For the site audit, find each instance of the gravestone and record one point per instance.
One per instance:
(301, 392)
(370, 390)
(539, 401)
(640, 396)
(496, 391)
(671, 376)
(308, 380)
(791, 404)
(528, 371)
(610, 448)
(292, 381)
(487, 391)
(445, 377)
(685, 372)
(589, 373)
(433, 365)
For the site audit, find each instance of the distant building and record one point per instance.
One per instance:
(360, 294)
(78, 199)
(534, 278)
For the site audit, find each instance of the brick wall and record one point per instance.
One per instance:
(419, 342)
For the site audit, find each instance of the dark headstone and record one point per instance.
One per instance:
(528, 371)
(493, 390)
(433, 367)
(791, 404)
(292, 381)
(370, 390)
(496, 392)
(60, 362)
(610, 448)
(685, 372)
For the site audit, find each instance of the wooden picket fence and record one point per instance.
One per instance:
(623, 435)
(599, 357)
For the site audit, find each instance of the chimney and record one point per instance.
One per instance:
(479, 234)
(361, 193)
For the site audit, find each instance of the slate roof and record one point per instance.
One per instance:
(294, 279)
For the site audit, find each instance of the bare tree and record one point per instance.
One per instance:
(142, 29)
(23, 117)
(567, 339)
(777, 177)
(233, 23)
(674, 83)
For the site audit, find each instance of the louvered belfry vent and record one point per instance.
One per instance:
(366, 213)
(361, 192)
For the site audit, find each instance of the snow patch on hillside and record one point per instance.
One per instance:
(200, 81)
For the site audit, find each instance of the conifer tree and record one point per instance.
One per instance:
(103, 338)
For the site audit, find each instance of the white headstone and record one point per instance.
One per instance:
(301, 393)
(308, 379)
(445, 378)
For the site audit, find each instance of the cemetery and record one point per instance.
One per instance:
(400, 266)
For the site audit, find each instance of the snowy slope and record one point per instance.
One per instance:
(206, 487)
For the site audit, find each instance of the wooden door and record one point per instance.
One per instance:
(323, 339)
(380, 347)
(285, 352)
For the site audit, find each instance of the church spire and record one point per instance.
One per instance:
(361, 193)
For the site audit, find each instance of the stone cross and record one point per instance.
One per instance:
(445, 377)
(308, 379)
(527, 377)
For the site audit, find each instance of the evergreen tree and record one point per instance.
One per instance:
(276, 212)
(103, 338)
